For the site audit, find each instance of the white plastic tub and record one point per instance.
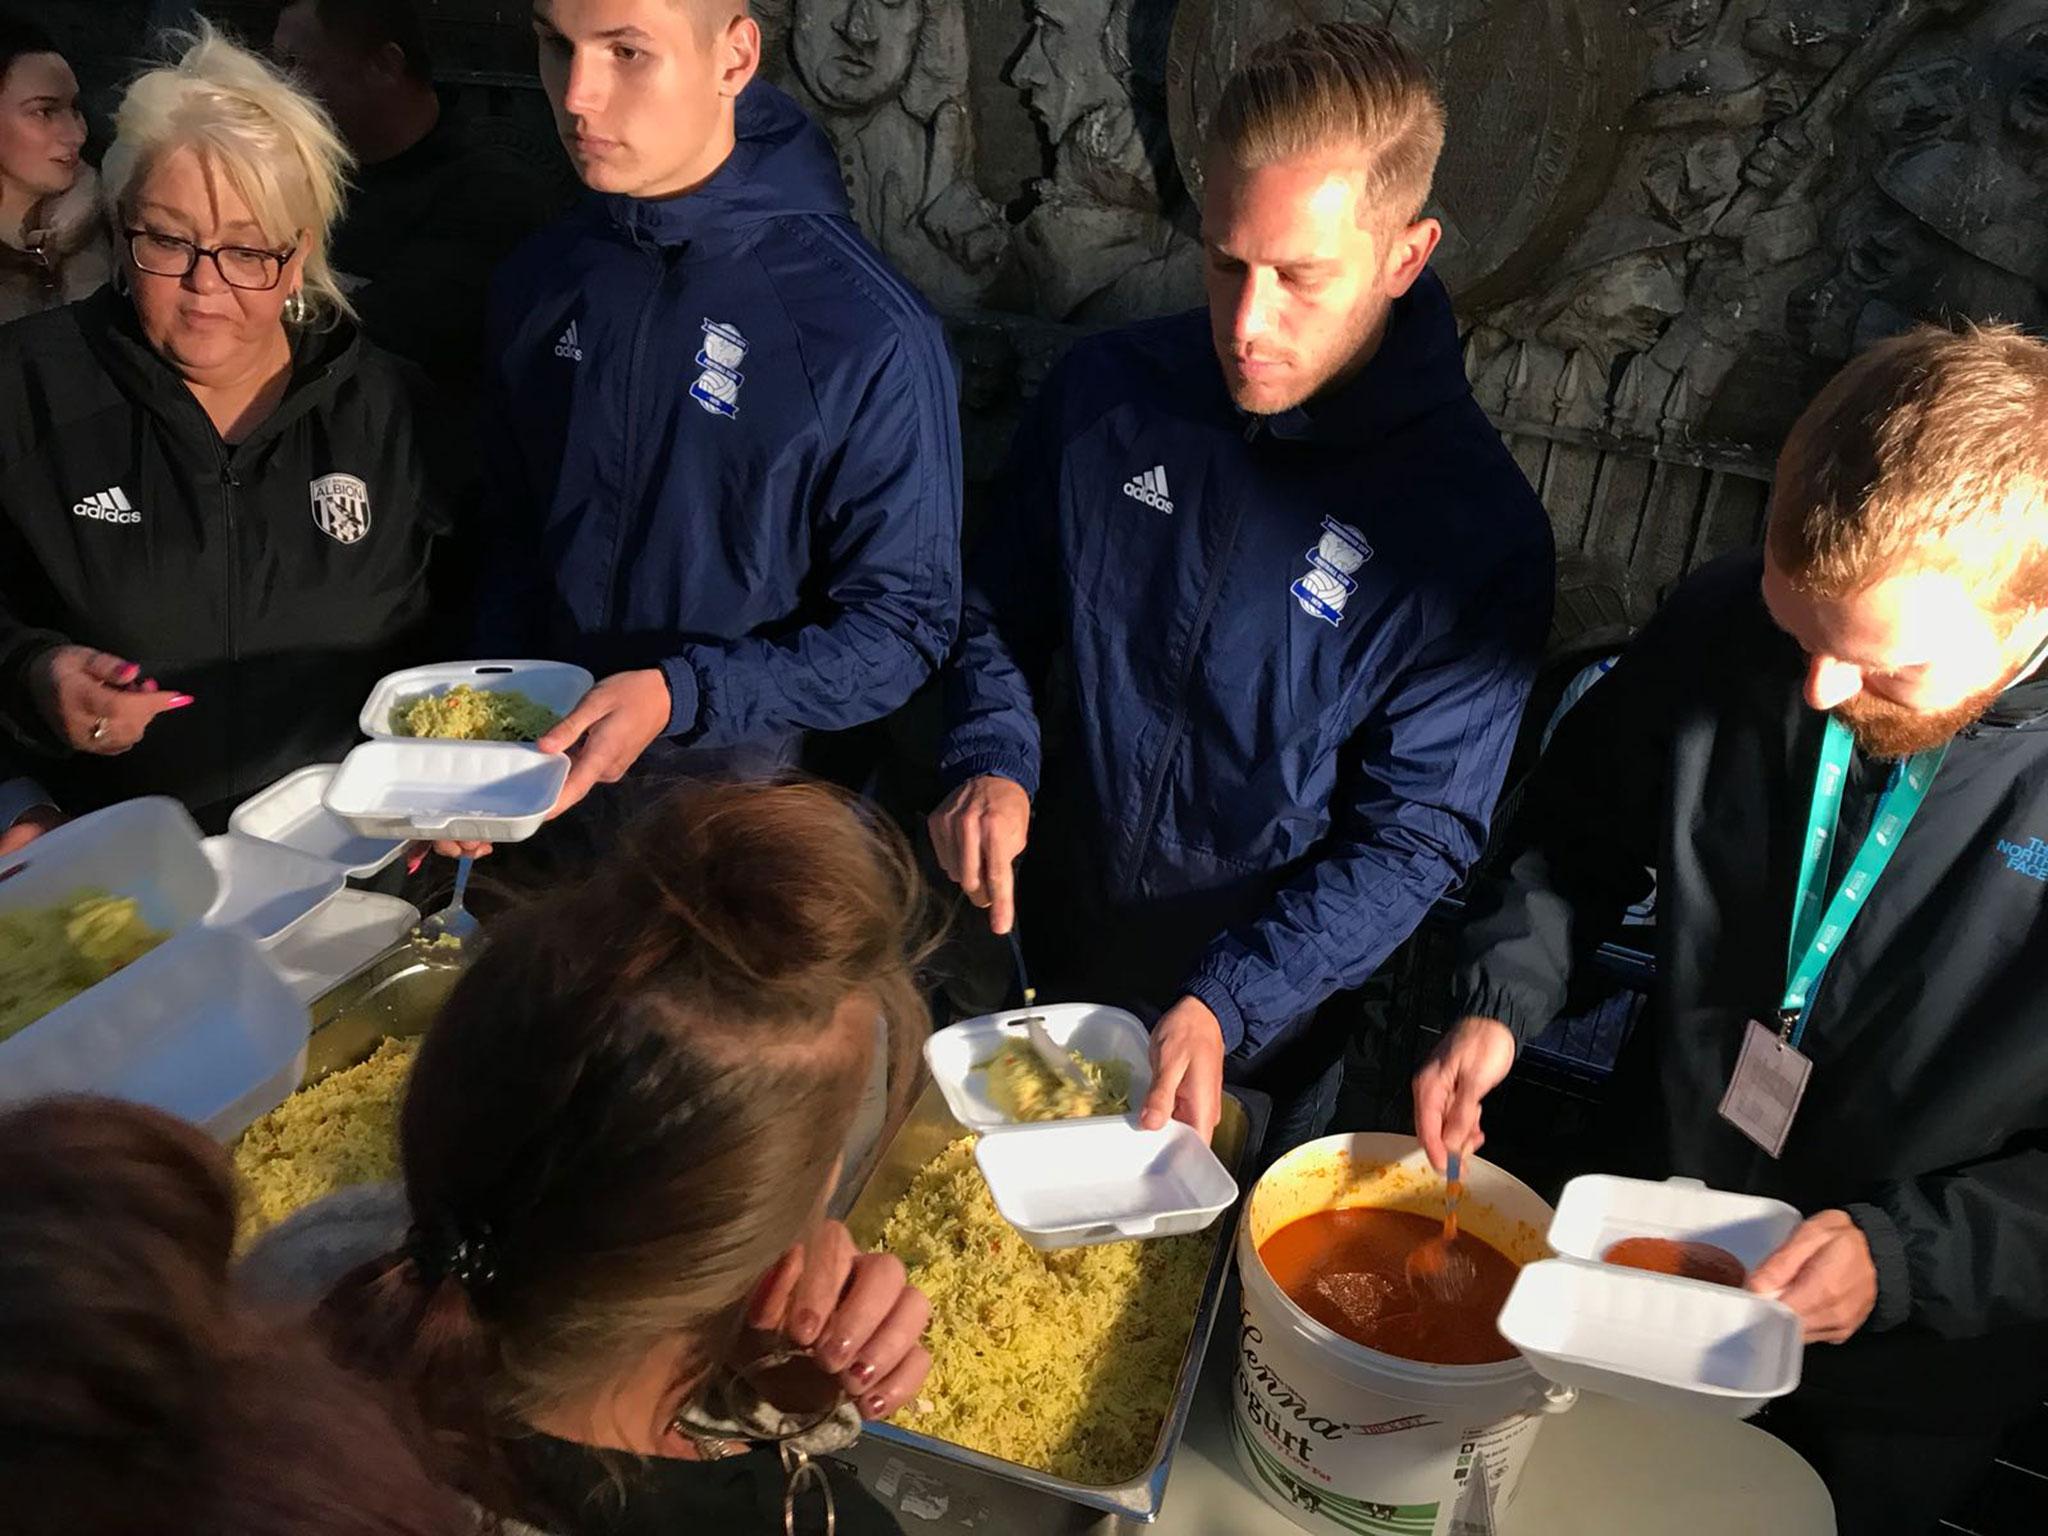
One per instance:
(1095, 1179)
(340, 939)
(1658, 1338)
(556, 684)
(291, 813)
(266, 888)
(1341, 1438)
(463, 791)
(200, 1026)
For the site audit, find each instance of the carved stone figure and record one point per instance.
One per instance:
(1102, 244)
(888, 79)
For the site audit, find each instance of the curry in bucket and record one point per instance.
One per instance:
(1348, 1270)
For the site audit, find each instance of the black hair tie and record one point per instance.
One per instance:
(463, 1252)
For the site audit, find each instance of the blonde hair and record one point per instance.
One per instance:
(1929, 450)
(1338, 85)
(277, 147)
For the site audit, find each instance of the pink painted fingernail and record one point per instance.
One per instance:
(804, 1327)
(873, 1405)
(130, 672)
(863, 1373)
(180, 701)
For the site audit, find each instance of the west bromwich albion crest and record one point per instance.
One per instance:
(341, 507)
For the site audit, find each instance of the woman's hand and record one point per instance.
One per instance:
(98, 703)
(855, 1312)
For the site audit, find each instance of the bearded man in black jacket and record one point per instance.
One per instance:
(1870, 682)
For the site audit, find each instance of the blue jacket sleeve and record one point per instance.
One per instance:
(508, 522)
(1009, 622)
(887, 535)
(1423, 771)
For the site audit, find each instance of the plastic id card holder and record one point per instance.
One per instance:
(1764, 1094)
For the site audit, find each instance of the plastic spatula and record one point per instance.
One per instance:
(1439, 1266)
(1059, 1061)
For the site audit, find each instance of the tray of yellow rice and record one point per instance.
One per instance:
(110, 982)
(1061, 1381)
(474, 701)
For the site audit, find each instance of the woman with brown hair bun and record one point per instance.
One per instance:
(618, 1144)
(137, 1394)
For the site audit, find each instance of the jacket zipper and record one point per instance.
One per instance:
(628, 478)
(229, 482)
(1141, 839)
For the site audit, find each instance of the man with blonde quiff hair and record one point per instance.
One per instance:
(1870, 683)
(1300, 589)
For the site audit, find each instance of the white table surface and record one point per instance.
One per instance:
(1605, 1468)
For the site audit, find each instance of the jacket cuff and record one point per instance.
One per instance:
(1888, 1255)
(1211, 992)
(20, 718)
(20, 796)
(1019, 767)
(686, 695)
(1523, 1017)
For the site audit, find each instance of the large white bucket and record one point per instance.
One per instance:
(1346, 1440)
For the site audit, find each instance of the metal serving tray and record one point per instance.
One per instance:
(947, 1487)
(396, 994)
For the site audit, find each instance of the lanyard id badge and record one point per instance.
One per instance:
(1771, 1071)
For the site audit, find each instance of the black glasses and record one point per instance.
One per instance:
(773, 1399)
(239, 266)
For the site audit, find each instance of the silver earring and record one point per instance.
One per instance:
(296, 310)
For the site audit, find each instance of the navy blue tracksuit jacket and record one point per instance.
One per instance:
(725, 443)
(1281, 662)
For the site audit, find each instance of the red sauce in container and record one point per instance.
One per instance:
(1349, 1271)
(1669, 1256)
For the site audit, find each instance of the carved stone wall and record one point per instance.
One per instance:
(1666, 221)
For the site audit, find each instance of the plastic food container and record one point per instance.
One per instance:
(1097, 1179)
(340, 939)
(464, 791)
(1657, 1338)
(267, 889)
(291, 814)
(200, 1026)
(556, 684)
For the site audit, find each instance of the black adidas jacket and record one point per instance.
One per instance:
(274, 580)
(1926, 1117)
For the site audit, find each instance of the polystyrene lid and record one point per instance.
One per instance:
(1650, 1337)
(267, 888)
(290, 813)
(1069, 1183)
(958, 1053)
(432, 786)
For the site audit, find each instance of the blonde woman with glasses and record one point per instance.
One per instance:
(218, 504)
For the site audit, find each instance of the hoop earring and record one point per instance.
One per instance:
(296, 310)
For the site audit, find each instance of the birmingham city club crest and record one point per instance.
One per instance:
(341, 507)
(717, 388)
(1327, 585)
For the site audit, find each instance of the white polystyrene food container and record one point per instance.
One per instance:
(957, 1053)
(201, 1026)
(339, 940)
(1099, 1179)
(463, 791)
(557, 684)
(1654, 1338)
(291, 814)
(1067, 1184)
(266, 889)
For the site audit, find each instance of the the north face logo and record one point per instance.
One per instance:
(341, 507)
(108, 506)
(2029, 858)
(570, 346)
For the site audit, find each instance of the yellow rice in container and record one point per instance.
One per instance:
(1064, 1362)
(341, 1131)
(464, 713)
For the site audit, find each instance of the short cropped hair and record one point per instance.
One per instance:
(1929, 450)
(274, 143)
(365, 26)
(1337, 85)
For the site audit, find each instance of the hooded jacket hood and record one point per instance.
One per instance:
(781, 163)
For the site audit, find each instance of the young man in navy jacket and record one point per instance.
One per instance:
(727, 467)
(1275, 592)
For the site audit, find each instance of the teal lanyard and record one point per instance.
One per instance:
(1818, 921)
